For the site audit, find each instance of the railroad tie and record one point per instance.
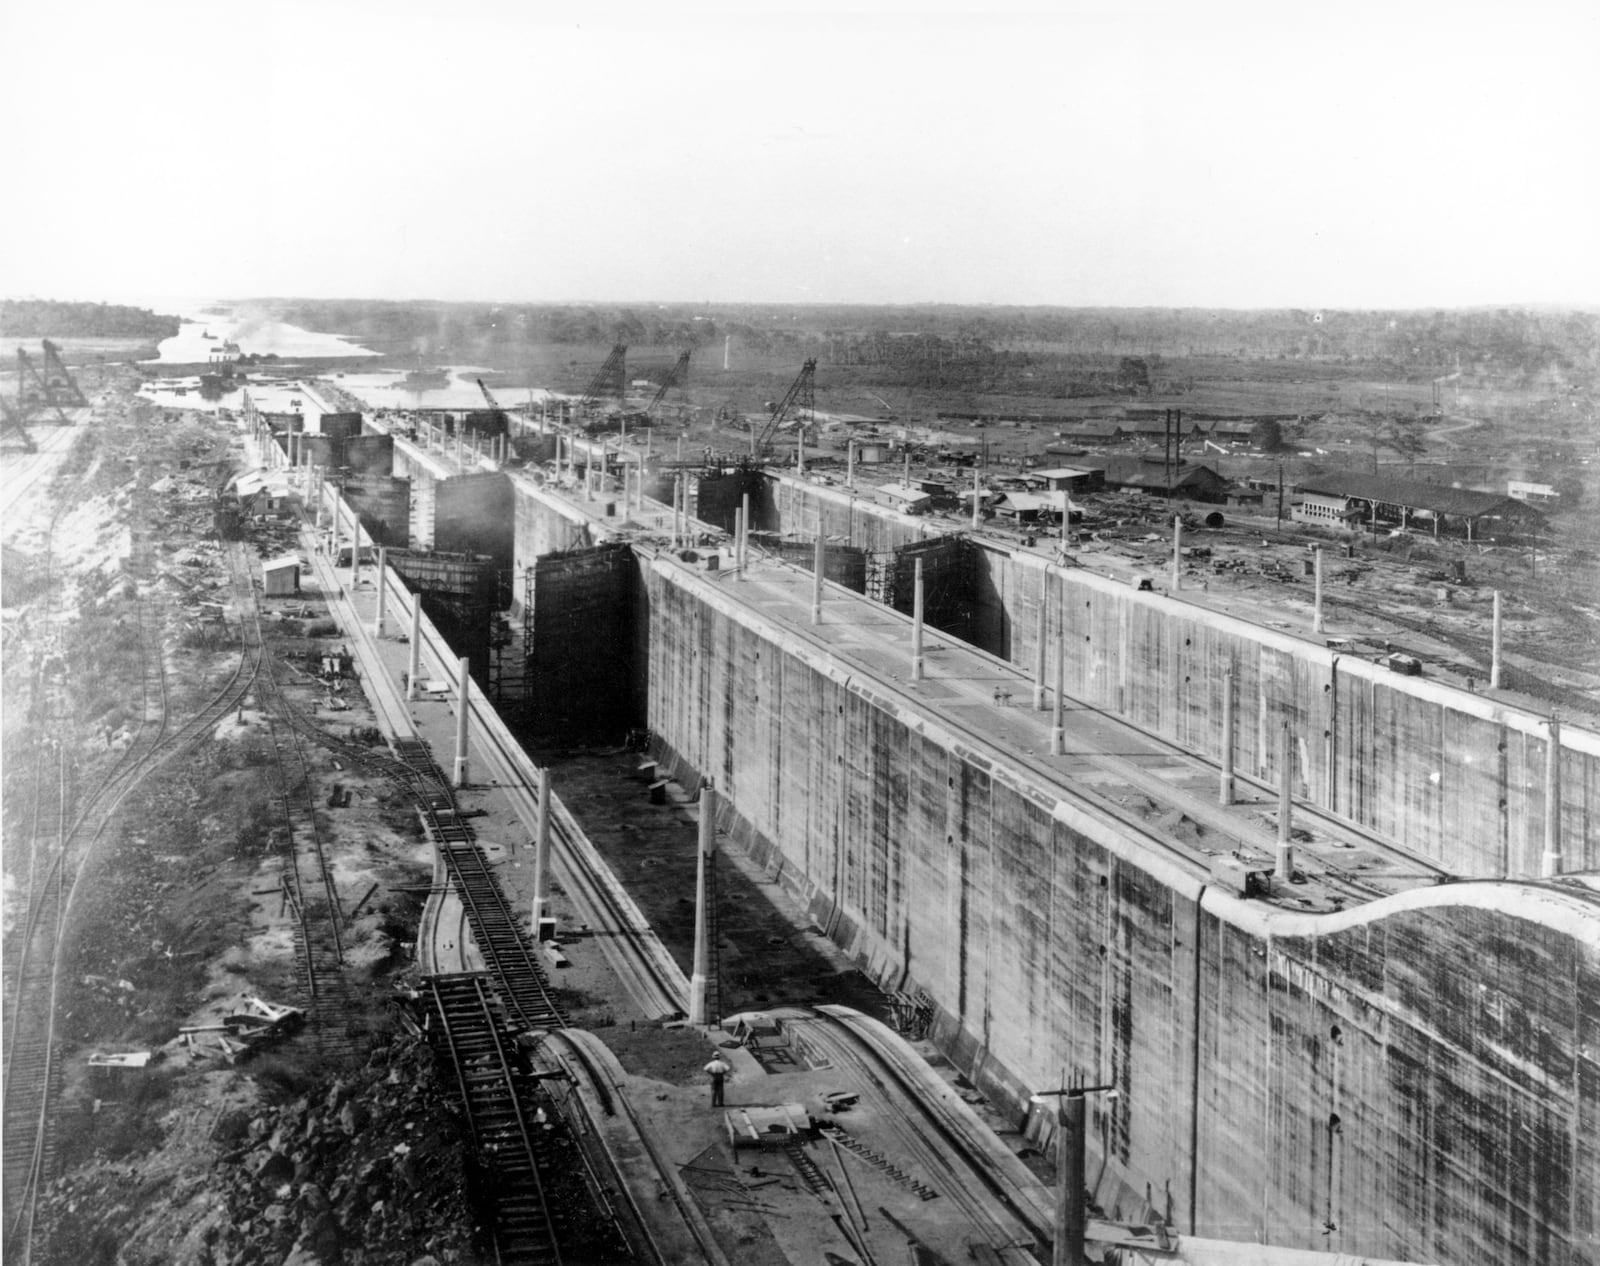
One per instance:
(810, 1174)
(878, 1161)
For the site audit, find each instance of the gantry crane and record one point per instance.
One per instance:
(800, 398)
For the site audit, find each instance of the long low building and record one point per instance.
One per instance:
(1355, 500)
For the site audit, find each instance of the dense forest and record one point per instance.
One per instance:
(987, 344)
(57, 318)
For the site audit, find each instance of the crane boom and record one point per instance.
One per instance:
(610, 379)
(802, 393)
(675, 377)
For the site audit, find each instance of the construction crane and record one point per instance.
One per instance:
(53, 389)
(610, 379)
(800, 398)
(501, 419)
(11, 421)
(39, 393)
(676, 376)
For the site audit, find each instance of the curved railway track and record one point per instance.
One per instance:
(651, 978)
(32, 1061)
(528, 1228)
(996, 1192)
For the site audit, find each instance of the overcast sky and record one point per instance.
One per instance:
(1326, 155)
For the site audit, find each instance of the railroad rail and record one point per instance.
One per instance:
(32, 1061)
(653, 980)
(993, 1189)
(542, 1205)
(319, 946)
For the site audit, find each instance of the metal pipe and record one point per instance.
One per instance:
(1316, 619)
(975, 491)
(1071, 1224)
(703, 915)
(1041, 630)
(1177, 553)
(744, 538)
(541, 854)
(1285, 865)
(463, 684)
(383, 591)
(415, 666)
(738, 536)
(916, 621)
(850, 469)
(816, 580)
(1494, 662)
(1058, 728)
(1225, 792)
(1552, 861)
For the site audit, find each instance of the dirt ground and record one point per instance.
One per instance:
(770, 950)
(180, 918)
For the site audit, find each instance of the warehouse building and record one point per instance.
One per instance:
(1347, 499)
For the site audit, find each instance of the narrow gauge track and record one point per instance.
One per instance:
(319, 944)
(517, 973)
(994, 1197)
(32, 1061)
(657, 990)
(519, 1158)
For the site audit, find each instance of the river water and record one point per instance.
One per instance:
(253, 335)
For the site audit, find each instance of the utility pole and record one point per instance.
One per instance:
(1072, 1214)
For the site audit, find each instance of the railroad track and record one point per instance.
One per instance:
(519, 976)
(32, 1060)
(655, 983)
(1008, 1206)
(308, 883)
(541, 1205)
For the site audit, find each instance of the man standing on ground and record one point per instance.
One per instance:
(718, 1069)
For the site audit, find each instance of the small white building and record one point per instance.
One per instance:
(906, 498)
(281, 576)
(263, 492)
(1522, 490)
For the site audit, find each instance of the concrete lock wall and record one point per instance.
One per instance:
(581, 678)
(369, 454)
(1053, 940)
(543, 525)
(474, 514)
(384, 505)
(1373, 1083)
(719, 497)
(1455, 777)
(842, 564)
(806, 509)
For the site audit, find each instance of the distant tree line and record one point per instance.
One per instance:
(56, 318)
(944, 344)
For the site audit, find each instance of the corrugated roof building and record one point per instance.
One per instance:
(1349, 497)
